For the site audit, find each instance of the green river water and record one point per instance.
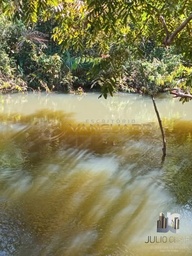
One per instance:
(82, 176)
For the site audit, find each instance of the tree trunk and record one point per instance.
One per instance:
(161, 128)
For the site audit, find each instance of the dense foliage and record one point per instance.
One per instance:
(139, 46)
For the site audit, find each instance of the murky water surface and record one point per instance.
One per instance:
(83, 177)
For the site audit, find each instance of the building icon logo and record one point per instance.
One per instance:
(168, 223)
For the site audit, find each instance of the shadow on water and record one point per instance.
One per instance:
(71, 188)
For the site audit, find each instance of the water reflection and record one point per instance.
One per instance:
(70, 188)
(178, 175)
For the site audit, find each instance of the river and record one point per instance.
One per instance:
(82, 176)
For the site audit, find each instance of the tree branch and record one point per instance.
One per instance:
(179, 93)
(164, 148)
(171, 36)
(165, 28)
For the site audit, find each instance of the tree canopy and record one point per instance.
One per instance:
(114, 32)
(163, 21)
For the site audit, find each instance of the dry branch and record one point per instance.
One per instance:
(180, 94)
